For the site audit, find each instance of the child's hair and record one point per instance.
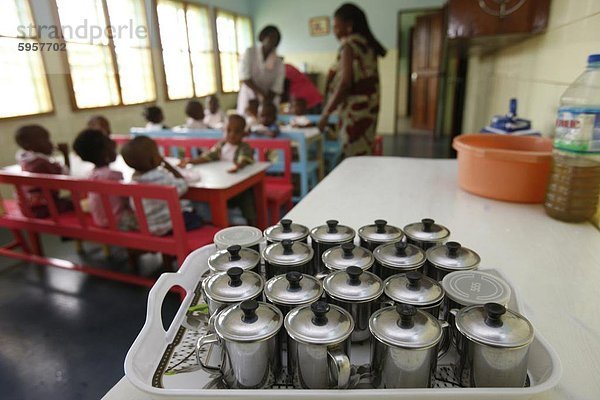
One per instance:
(299, 106)
(91, 145)
(138, 153)
(253, 105)
(153, 114)
(212, 100)
(237, 119)
(27, 134)
(194, 110)
(99, 122)
(269, 108)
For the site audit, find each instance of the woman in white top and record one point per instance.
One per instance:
(262, 71)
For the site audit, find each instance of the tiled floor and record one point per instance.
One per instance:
(64, 335)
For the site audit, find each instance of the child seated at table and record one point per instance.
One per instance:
(35, 155)
(101, 123)
(251, 114)
(150, 167)
(234, 150)
(195, 113)
(300, 120)
(214, 118)
(268, 121)
(154, 118)
(92, 145)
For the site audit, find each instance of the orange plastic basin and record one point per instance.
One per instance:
(504, 167)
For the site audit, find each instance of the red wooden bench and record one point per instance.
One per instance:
(279, 188)
(79, 225)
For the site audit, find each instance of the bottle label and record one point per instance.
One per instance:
(578, 130)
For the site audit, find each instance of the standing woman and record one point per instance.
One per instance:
(353, 82)
(262, 71)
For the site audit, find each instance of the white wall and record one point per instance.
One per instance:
(537, 70)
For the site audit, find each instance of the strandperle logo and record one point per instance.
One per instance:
(85, 31)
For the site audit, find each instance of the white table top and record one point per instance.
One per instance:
(554, 266)
(211, 175)
(309, 132)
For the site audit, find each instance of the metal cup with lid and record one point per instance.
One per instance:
(286, 229)
(498, 345)
(327, 236)
(450, 257)
(426, 233)
(285, 256)
(235, 256)
(357, 292)
(248, 336)
(230, 287)
(292, 290)
(347, 255)
(245, 236)
(379, 233)
(415, 289)
(398, 257)
(319, 346)
(404, 348)
(467, 288)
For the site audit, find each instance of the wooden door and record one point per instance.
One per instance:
(426, 67)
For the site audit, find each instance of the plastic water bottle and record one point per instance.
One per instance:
(574, 185)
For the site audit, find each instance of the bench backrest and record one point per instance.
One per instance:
(262, 148)
(79, 189)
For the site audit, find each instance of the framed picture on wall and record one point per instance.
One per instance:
(319, 26)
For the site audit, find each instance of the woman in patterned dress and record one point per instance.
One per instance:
(353, 82)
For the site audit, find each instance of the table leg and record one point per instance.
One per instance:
(260, 200)
(218, 209)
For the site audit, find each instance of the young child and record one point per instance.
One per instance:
(101, 123)
(234, 150)
(214, 118)
(195, 113)
(268, 121)
(251, 114)
(142, 155)
(94, 146)
(300, 120)
(35, 156)
(154, 117)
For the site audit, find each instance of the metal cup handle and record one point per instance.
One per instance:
(204, 341)
(343, 367)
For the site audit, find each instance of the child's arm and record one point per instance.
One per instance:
(64, 149)
(192, 161)
(214, 154)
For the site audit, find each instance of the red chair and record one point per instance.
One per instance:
(378, 146)
(280, 189)
(79, 225)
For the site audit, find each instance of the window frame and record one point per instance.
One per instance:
(216, 34)
(214, 51)
(114, 63)
(37, 38)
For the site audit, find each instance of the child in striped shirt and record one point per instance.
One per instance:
(150, 167)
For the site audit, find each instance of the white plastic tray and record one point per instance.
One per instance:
(146, 352)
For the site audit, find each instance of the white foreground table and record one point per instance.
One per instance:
(554, 266)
